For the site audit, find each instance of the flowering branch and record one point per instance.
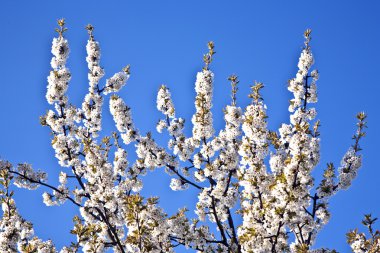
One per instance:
(266, 176)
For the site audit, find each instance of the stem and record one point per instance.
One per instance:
(45, 184)
(172, 168)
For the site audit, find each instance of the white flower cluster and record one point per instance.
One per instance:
(60, 49)
(189, 234)
(303, 91)
(92, 111)
(202, 119)
(161, 125)
(350, 164)
(66, 149)
(359, 245)
(93, 59)
(233, 119)
(255, 181)
(327, 187)
(60, 75)
(56, 121)
(164, 102)
(28, 178)
(17, 234)
(151, 155)
(178, 185)
(60, 194)
(123, 119)
(365, 242)
(181, 146)
(254, 147)
(93, 101)
(120, 163)
(116, 82)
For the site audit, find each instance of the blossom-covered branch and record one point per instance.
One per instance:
(264, 176)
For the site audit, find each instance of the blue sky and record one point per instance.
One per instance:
(164, 42)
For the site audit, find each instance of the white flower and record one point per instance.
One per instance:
(178, 185)
(123, 119)
(161, 125)
(164, 102)
(202, 119)
(62, 177)
(47, 199)
(116, 82)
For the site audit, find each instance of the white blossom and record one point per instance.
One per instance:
(202, 119)
(116, 82)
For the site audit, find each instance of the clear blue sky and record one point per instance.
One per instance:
(164, 42)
